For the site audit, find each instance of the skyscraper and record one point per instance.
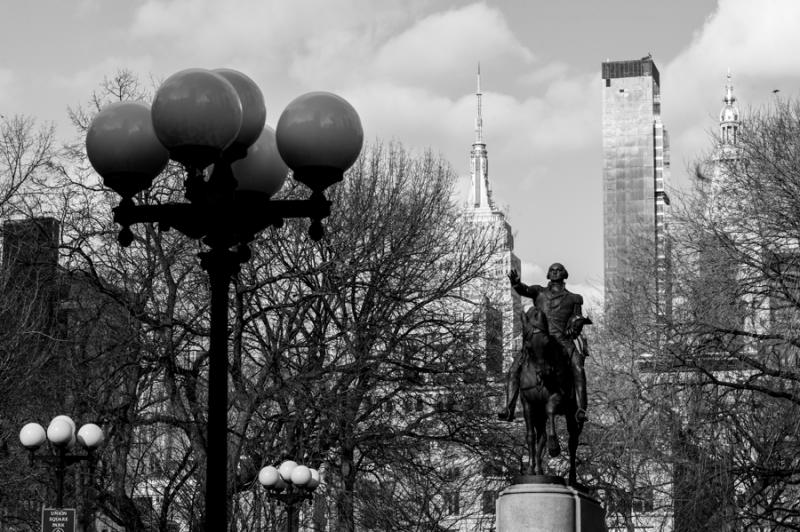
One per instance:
(635, 168)
(498, 329)
(481, 209)
(480, 197)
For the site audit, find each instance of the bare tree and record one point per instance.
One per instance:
(28, 287)
(721, 368)
(364, 345)
(151, 295)
(363, 354)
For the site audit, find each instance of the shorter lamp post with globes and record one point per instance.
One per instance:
(61, 434)
(290, 484)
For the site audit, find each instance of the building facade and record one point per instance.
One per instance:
(482, 210)
(635, 171)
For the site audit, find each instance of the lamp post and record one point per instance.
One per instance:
(290, 484)
(61, 434)
(212, 123)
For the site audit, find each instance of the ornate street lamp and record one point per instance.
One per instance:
(290, 484)
(212, 122)
(61, 435)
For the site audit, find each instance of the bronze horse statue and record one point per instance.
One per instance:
(546, 390)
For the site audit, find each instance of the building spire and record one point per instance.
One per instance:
(729, 97)
(479, 117)
(481, 196)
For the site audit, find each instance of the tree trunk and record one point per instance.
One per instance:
(344, 500)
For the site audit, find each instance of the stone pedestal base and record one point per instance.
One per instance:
(545, 504)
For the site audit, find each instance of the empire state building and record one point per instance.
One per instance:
(481, 209)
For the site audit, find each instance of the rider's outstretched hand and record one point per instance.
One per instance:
(513, 276)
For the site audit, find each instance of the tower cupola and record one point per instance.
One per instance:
(729, 115)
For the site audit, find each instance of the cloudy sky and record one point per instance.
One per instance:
(409, 69)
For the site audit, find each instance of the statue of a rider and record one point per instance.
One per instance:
(562, 309)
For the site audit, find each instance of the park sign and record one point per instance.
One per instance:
(58, 519)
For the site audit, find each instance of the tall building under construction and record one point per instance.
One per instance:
(635, 169)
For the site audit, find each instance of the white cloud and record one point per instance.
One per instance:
(334, 44)
(409, 70)
(413, 115)
(299, 37)
(760, 38)
(533, 273)
(88, 78)
(551, 71)
(758, 41)
(565, 118)
(436, 49)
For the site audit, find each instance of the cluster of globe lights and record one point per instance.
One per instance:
(213, 123)
(61, 433)
(288, 474)
(201, 118)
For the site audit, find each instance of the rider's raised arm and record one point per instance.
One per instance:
(520, 287)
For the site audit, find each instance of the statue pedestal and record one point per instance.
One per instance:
(543, 503)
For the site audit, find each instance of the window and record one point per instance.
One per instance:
(450, 474)
(408, 404)
(451, 404)
(643, 500)
(493, 340)
(153, 463)
(492, 469)
(451, 502)
(445, 404)
(488, 501)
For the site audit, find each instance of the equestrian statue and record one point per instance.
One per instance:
(548, 372)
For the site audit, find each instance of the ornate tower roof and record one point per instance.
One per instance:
(729, 115)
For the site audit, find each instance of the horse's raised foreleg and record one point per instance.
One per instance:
(574, 428)
(553, 447)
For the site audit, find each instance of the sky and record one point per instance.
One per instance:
(409, 68)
